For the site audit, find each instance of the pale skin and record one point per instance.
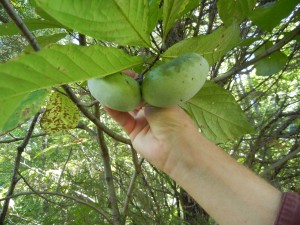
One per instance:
(228, 191)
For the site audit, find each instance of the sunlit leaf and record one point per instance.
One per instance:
(212, 46)
(118, 21)
(217, 114)
(32, 24)
(53, 66)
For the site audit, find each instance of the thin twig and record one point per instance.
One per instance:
(268, 52)
(15, 139)
(100, 211)
(63, 169)
(130, 190)
(32, 189)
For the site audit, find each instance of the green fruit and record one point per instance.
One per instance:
(117, 91)
(176, 81)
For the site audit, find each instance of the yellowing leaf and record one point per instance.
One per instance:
(61, 114)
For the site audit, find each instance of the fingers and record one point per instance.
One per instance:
(126, 121)
(130, 73)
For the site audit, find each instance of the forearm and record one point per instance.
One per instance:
(229, 192)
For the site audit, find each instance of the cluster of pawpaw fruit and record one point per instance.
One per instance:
(169, 84)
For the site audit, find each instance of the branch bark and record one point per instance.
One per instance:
(108, 173)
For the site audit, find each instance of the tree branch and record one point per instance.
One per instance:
(280, 162)
(15, 178)
(268, 52)
(15, 139)
(130, 189)
(20, 24)
(108, 173)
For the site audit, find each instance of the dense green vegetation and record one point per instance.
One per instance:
(64, 161)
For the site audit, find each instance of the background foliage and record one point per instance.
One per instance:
(82, 169)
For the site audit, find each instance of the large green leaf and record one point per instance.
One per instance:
(56, 65)
(174, 9)
(270, 15)
(238, 10)
(217, 114)
(32, 24)
(212, 46)
(120, 21)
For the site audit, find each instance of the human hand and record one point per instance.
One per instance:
(159, 134)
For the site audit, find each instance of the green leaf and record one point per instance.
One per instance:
(45, 40)
(272, 64)
(217, 114)
(172, 10)
(270, 15)
(212, 46)
(32, 24)
(156, 13)
(56, 65)
(24, 109)
(118, 21)
(61, 114)
(238, 10)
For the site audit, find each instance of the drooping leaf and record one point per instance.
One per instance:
(270, 15)
(217, 114)
(61, 114)
(272, 64)
(32, 24)
(238, 10)
(212, 46)
(56, 65)
(24, 109)
(173, 10)
(118, 21)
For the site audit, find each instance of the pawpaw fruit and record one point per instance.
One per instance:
(176, 81)
(117, 91)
